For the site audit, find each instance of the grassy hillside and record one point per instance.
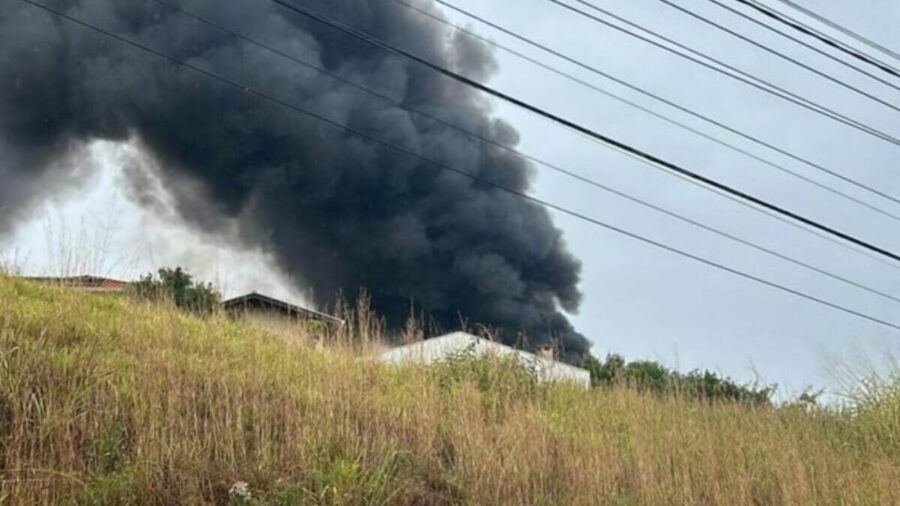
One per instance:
(107, 401)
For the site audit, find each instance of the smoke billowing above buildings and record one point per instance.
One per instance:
(337, 212)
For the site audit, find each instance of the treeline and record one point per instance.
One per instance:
(653, 377)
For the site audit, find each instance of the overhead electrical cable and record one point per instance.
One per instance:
(536, 160)
(658, 98)
(725, 69)
(589, 133)
(859, 38)
(795, 61)
(440, 165)
(821, 37)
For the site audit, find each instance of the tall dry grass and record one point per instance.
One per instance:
(105, 401)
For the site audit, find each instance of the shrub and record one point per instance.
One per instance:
(178, 286)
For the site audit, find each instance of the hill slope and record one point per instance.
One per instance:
(109, 401)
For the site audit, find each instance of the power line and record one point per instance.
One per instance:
(807, 30)
(534, 159)
(597, 71)
(732, 71)
(377, 140)
(677, 106)
(783, 56)
(869, 42)
(603, 139)
(772, 15)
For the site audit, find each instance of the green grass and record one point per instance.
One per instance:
(107, 401)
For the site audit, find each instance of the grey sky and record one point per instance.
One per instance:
(640, 301)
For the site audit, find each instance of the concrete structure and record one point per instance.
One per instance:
(460, 343)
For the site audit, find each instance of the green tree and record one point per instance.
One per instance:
(653, 377)
(178, 286)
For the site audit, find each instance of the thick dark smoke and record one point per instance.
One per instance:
(338, 212)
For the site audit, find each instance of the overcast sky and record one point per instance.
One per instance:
(639, 301)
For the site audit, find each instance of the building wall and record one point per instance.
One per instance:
(288, 327)
(439, 348)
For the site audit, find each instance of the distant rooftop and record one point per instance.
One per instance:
(251, 301)
(87, 283)
(443, 347)
(258, 301)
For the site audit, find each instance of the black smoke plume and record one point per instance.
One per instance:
(337, 212)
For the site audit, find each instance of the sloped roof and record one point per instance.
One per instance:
(259, 301)
(442, 347)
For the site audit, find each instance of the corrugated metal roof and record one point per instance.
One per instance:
(254, 299)
(442, 347)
